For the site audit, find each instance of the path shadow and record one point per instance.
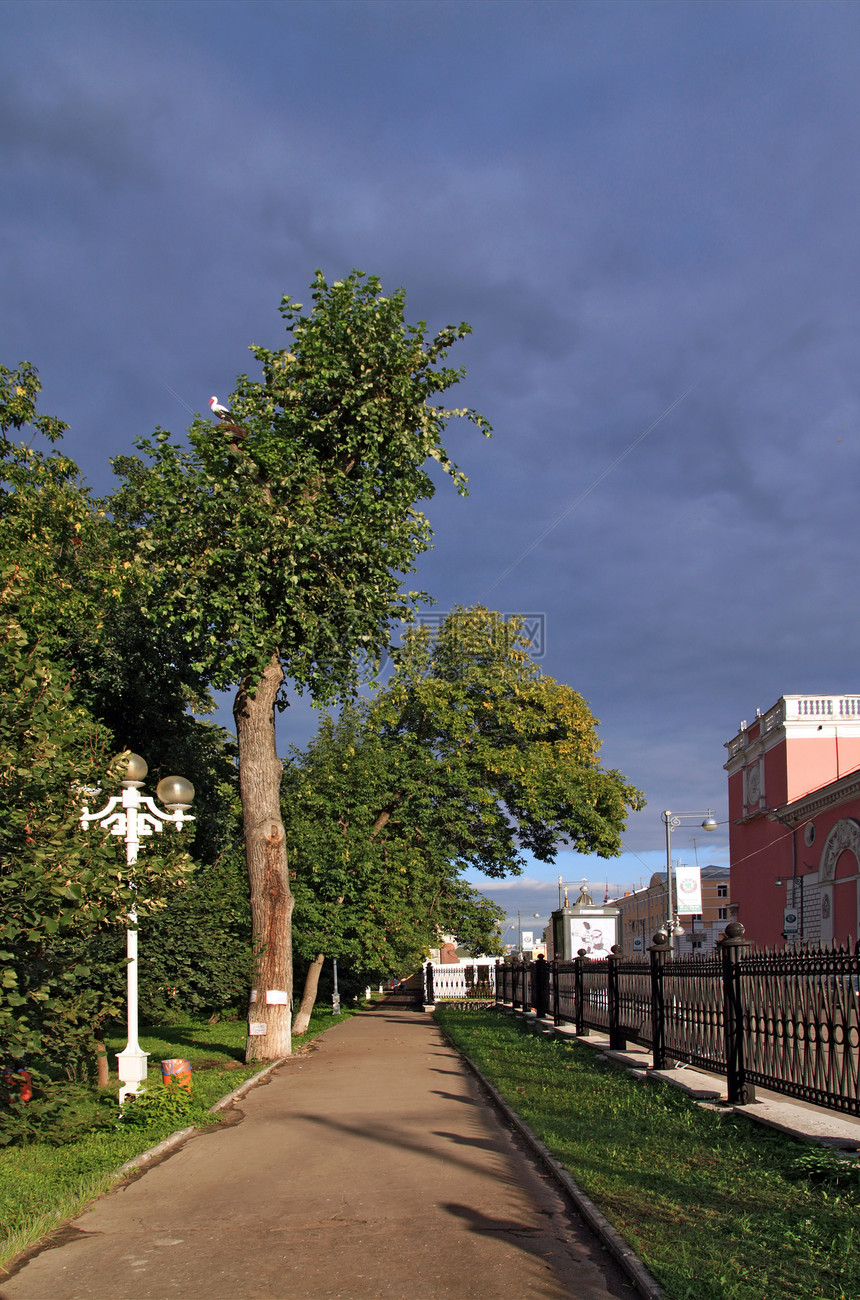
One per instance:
(536, 1240)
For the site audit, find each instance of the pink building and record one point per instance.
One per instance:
(794, 821)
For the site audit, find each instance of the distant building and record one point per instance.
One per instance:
(794, 821)
(644, 911)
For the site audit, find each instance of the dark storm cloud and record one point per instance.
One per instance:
(629, 203)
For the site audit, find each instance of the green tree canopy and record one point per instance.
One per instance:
(276, 543)
(85, 676)
(286, 529)
(59, 887)
(468, 758)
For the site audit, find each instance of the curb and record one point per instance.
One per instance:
(619, 1249)
(181, 1135)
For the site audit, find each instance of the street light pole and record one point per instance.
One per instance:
(132, 816)
(672, 821)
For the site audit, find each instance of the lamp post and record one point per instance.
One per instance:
(335, 992)
(672, 821)
(132, 816)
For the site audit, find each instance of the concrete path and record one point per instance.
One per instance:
(370, 1167)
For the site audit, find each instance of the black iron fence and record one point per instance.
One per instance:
(788, 1021)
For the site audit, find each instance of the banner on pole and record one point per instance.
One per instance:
(688, 890)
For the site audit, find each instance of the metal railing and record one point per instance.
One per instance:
(788, 1021)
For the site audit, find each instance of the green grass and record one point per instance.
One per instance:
(43, 1183)
(717, 1207)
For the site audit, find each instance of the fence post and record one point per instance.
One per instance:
(541, 986)
(556, 994)
(429, 992)
(660, 952)
(517, 975)
(579, 1009)
(739, 1091)
(617, 1041)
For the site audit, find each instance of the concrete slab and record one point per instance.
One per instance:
(825, 1127)
(702, 1087)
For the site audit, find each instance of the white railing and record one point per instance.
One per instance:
(473, 979)
(822, 706)
(799, 708)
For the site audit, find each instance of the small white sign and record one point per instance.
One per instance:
(638, 943)
(256, 1028)
(253, 995)
(276, 997)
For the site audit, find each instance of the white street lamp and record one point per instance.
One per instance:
(672, 927)
(131, 816)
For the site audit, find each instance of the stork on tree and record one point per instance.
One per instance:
(218, 410)
(283, 558)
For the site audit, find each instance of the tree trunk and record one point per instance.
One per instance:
(309, 994)
(102, 1065)
(270, 1011)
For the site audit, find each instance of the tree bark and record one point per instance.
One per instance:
(309, 994)
(260, 769)
(102, 1065)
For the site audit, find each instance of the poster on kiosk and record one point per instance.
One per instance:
(596, 934)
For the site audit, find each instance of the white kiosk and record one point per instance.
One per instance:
(584, 925)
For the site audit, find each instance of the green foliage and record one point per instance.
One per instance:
(87, 675)
(514, 754)
(197, 950)
(160, 1105)
(469, 755)
(54, 883)
(60, 889)
(56, 1115)
(19, 390)
(829, 1167)
(285, 530)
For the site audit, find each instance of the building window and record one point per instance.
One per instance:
(723, 914)
(722, 891)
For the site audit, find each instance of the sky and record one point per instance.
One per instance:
(648, 214)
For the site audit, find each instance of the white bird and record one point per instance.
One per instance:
(219, 410)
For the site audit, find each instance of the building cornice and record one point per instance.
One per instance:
(808, 805)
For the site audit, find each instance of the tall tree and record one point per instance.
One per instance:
(84, 677)
(371, 890)
(469, 756)
(276, 544)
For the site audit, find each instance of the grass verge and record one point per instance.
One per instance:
(43, 1183)
(716, 1207)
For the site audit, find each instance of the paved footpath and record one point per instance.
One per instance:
(369, 1167)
